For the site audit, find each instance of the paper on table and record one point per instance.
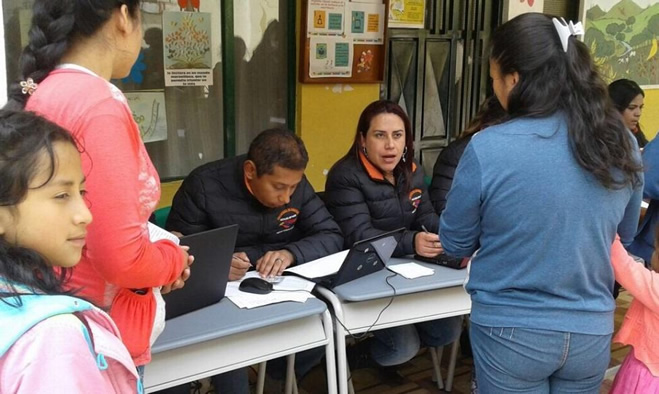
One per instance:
(156, 234)
(289, 284)
(411, 270)
(320, 267)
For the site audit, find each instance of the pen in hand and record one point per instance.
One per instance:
(425, 230)
(239, 258)
(240, 264)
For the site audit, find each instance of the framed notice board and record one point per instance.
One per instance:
(343, 41)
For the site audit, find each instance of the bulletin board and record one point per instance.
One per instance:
(343, 41)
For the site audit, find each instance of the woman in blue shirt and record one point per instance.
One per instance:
(541, 198)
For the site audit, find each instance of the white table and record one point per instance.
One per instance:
(223, 337)
(357, 304)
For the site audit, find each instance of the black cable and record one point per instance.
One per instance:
(368, 330)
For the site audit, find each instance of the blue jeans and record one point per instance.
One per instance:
(523, 360)
(396, 345)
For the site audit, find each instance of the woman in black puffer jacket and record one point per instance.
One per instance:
(490, 113)
(377, 187)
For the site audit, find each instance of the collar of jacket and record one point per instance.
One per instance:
(373, 172)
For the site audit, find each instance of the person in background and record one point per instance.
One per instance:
(489, 114)
(378, 187)
(643, 245)
(639, 372)
(282, 222)
(541, 197)
(628, 98)
(75, 48)
(50, 340)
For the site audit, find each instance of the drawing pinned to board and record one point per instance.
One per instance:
(622, 36)
(407, 14)
(325, 17)
(365, 61)
(184, 4)
(187, 53)
(365, 22)
(330, 57)
(517, 7)
(149, 113)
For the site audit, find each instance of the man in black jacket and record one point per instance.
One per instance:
(281, 219)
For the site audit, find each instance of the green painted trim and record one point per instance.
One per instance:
(228, 80)
(292, 72)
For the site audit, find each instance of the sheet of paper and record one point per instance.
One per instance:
(250, 300)
(325, 17)
(364, 23)
(156, 234)
(321, 267)
(330, 57)
(411, 270)
(407, 14)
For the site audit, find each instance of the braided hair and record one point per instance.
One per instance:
(56, 25)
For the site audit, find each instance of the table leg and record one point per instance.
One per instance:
(290, 373)
(340, 339)
(330, 359)
(260, 379)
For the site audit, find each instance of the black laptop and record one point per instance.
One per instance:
(212, 251)
(365, 257)
(445, 261)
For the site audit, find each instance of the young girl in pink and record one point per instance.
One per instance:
(50, 341)
(639, 372)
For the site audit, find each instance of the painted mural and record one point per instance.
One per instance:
(622, 36)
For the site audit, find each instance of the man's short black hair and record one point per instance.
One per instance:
(277, 147)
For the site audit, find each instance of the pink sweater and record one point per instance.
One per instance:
(123, 190)
(641, 324)
(54, 357)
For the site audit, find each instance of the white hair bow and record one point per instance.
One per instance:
(565, 30)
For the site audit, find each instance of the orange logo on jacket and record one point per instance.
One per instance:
(415, 198)
(287, 219)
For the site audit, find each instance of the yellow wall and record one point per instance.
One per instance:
(327, 118)
(167, 194)
(650, 117)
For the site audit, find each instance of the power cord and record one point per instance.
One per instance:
(368, 330)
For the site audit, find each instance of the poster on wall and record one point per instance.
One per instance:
(622, 37)
(512, 8)
(187, 48)
(325, 17)
(408, 14)
(148, 110)
(364, 22)
(330, 57)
